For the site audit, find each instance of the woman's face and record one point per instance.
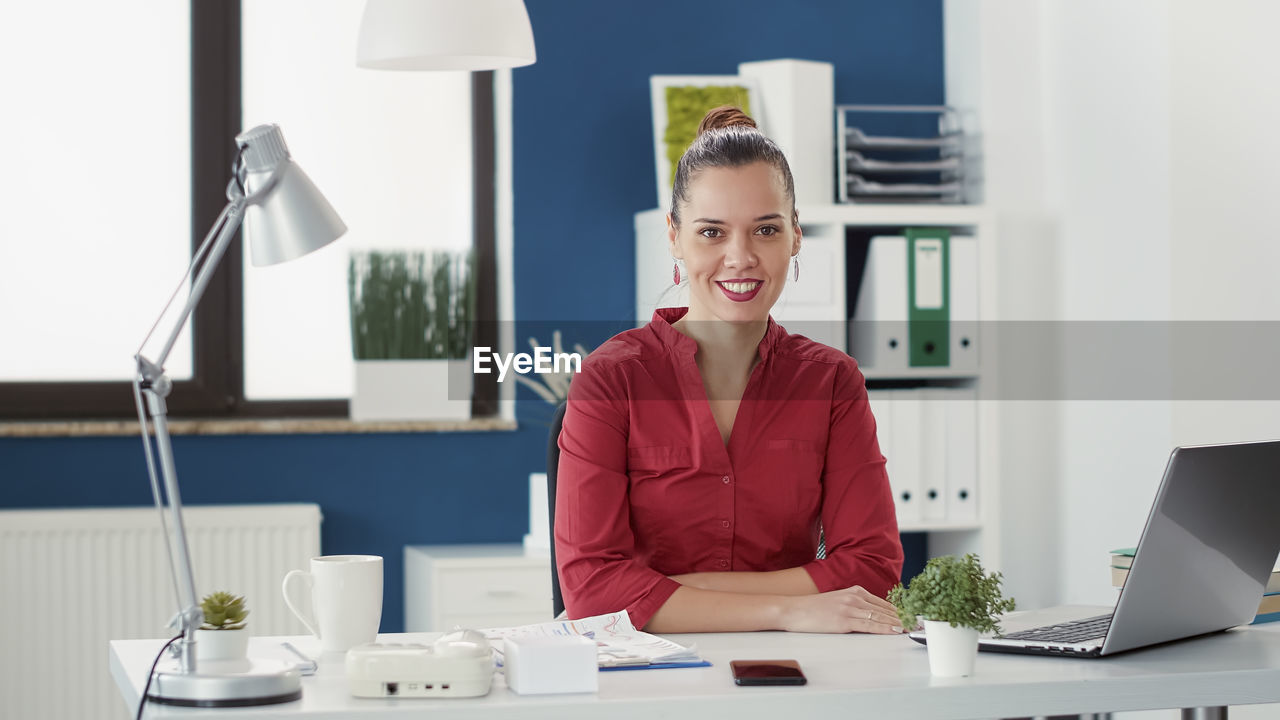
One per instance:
(736, 239)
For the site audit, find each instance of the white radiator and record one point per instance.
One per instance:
(71, 580)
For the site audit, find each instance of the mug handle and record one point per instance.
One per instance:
(306, 619)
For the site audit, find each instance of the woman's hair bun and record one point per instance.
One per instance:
(725, 116)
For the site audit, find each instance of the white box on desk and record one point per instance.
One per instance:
(554, 664)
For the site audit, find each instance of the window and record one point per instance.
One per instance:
(77, 190)
(370, 140)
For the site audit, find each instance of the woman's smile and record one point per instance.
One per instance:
(739, 290)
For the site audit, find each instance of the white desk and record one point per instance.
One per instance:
(850, 676)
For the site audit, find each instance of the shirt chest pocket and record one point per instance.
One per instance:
(660, 481)
(658, 459)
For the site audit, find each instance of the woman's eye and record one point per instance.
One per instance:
(709, 232)
(768, 230)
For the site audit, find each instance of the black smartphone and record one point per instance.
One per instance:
(767, 672)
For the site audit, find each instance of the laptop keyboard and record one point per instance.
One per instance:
(1070, 632)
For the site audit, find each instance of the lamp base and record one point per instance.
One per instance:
(228, 683)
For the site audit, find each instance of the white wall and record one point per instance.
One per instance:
(1127, 149)
(1225, 132)
(1106, 97)
(993, 76)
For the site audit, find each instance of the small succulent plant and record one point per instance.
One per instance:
(223, 611)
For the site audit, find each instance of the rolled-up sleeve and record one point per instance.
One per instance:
(858, 517)
(593, 534)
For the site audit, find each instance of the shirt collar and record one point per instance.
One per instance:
(675, 340)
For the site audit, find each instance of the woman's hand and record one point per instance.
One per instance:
(841, 611)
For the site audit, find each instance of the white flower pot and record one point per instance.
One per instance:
(222, 644)
(952, 650)
(412, 390)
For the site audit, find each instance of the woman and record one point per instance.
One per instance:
(703, 454)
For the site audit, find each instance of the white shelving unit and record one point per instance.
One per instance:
(817, 306)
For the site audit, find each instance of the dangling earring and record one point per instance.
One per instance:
(796, 275)
(675, 272)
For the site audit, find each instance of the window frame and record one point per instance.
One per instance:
(216, 389)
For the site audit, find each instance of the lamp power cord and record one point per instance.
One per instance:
(142, 701)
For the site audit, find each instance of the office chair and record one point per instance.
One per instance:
(553, 465)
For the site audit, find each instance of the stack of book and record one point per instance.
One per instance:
(1268, 609)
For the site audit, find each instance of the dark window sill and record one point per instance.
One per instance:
(283, 426)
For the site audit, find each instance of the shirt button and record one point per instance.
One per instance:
(724, 523)
(725, 479)
(724, 563)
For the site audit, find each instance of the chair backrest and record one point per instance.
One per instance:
(553, 465)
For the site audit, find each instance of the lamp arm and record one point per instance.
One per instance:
(151, 382)
(232, 216)
(156, 493)
(196, 259)
(220, 235)
(189, 614)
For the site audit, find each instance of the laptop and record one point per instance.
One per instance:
(1201, 566)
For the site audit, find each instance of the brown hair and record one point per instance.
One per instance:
(727, 137)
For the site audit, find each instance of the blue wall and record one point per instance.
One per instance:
(583, 130)
(583, 166)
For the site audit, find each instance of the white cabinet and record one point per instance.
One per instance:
(960, 510)
(474, 586)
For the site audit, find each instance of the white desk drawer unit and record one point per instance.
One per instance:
(474, 586)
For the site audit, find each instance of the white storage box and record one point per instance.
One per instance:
(545, 665)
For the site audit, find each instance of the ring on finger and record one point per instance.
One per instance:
(868, 614)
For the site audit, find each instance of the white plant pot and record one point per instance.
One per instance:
(222, 644)
(952, 650)
(412, 390)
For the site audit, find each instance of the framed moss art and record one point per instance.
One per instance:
(679, 102)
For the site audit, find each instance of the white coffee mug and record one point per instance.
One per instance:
(345, 599)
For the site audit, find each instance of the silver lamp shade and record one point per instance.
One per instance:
(292, 217)
(445, 35)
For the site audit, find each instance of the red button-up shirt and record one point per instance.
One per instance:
(647, 488)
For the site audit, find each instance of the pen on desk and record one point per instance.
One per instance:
(306, 665)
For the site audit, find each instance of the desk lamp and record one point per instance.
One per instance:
(285, 217)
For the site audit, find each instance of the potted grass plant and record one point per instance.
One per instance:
(956, 600)
(411, 333)
(222, 636)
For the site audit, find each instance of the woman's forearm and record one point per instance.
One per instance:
(691, 609)
(792, 581)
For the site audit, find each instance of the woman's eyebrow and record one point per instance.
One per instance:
(762, 218)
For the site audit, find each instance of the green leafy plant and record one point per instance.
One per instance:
(953, 590)
(411, 305)
(686, 106)
(223, 611)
